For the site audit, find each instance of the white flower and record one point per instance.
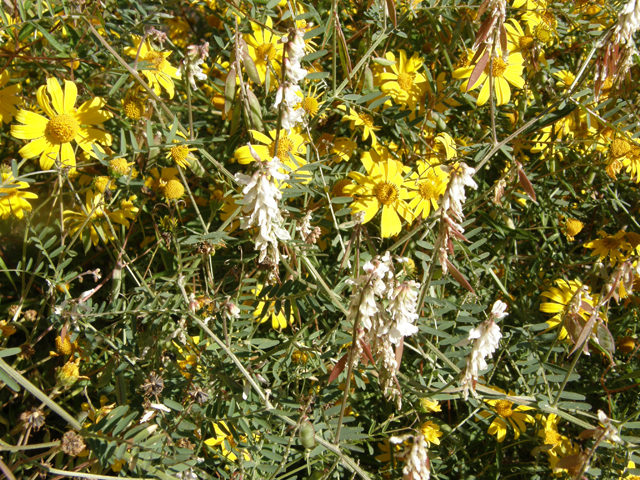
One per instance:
(195, 57)
(402, 308)
(294, 70)
(460, 175)
(486, 338)
(289, 94)
(610, 432)
(499, 310)
(291, 118)
(416, 460)
(261, 197)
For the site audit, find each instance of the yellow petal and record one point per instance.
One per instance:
(70, 96)
(56, 95)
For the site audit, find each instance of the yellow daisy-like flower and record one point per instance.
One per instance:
(403, 83)
(341, 147)
(6, 330)
(571, 228)
(159, 179)
(504, 412)
(549, 431)
(566, 296)
(629, 476)
(425, 187)
(431, 433)
(266, 310)
(159, 73)
(311, 102)
(94, 217)
(439, 147)
(51, 137)
(133, 104)
(8, 98)
(13, 197)
(188, 364)
(363, 120)
(610, 246)
(503, 72)
(180, 152)
(426, 405)
(383, 187)
(289, 144)
(265, 49)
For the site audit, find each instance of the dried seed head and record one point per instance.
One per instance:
(153, 385)
(199, 395)
(72, 444)
(33, 418)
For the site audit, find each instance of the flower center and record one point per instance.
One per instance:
(285, 146)
(619, 148)
(366, 119)
(310, 105)
(543, 33)
(525, 41)
(405, 80)
(157, 59)
(179, 153)
(338, 188)
(133, 108)
(503, 408)
(427, 190)
(573, 227)
(386, 192)
(499, 67)
(266, 50)
(611, 243)
(551, 437)
(218, 101)
(63, 128)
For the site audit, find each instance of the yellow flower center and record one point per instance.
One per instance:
(626, 344)
(101, 183)
(503, 408)
(118, 167)
(550, 20)
(366, 119)
(543, 33)
(133, 108)
(551, 437)
(266, 51)
(499, 67)
(218, 101)
(619, 147)
(310, 105)
(173, 190)
(573, 227)
(611, 243)
(405, 80)
(63, 128)
(525, 41)
(427, 189)
(157, 59)
(285, 146)
(65, 347)
(386, 192)
(179, 154)
(338, 188)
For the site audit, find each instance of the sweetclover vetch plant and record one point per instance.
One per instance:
(343, 239)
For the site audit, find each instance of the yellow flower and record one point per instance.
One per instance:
(609, 246)
(159, 71)
(180, 152)
(133, 104)
(431, 433)
(224, 439)
(69, 373)
(549, 432)
(173, 190)
(94, 217)
(363, 120)
(503, 72)
(425, 187)
(158, 180)
(51, 138)
(289, 145)
(311, 103)
(565, 297)
(119, 167)
(630, 476)
(8, 99)
(341, 147)
(188, 364)
(427, 406)
(265, 49)
(383, 187)
(504, 410)
(6, 329)
(13, 197)
(266, 309)
(571, 228)
(403, 83)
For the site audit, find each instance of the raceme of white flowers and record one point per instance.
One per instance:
(414, 456)
(287, 94)
(486, 338)
(261, 207)
(383, 327)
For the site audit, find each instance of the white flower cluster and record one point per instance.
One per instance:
(196, 55)
(383, 327)
(261, 209)
(414, 456)
(628, 22)
(460, 176)
(287, 93)
(486, 338)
